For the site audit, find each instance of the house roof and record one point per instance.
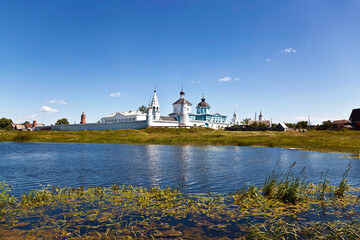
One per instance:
(168, 118)
(19, 126)
(355, 115)
(182, 101)
(283, 125)
(341, 121)
(127, 114)
(28, 125)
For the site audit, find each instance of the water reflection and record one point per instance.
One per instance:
(191, 168)
(153, 164)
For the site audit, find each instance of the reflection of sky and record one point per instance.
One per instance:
(191, 168)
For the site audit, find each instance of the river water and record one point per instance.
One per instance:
(193, 169)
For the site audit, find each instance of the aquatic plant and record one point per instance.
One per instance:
(128, 212)
(343, 186)
(286, 187)
(5, 197)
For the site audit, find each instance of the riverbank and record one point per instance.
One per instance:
(320, 141)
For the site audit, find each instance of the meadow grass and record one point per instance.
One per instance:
(321, 141)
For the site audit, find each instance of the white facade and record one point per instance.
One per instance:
(119, 117)
(155, 107)
(181, 117)
(235, 120)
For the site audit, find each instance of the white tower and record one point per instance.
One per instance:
(184, 114)
(155, 107)
(149, 116)
(235, 119)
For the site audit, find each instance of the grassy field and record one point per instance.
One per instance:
(321, 141)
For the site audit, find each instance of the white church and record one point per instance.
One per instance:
(180, 117)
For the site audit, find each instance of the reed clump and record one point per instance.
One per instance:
(286, 187)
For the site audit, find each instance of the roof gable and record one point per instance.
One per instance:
(182, 101)
(355, 115)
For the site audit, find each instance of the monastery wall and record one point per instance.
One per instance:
(95, 126)
(164, 124)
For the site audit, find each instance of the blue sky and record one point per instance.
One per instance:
(290, 59)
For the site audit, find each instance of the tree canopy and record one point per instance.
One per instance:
(143, 109)
(62, 121)
(5, 123)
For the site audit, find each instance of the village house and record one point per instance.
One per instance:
(341, 124)
(26, 126)
(355, 118)
(281, 127)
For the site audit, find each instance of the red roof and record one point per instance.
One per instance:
(28, 125)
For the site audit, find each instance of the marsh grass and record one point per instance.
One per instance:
(343, 186)
(274, 211)
(286, 187)
(131, 212)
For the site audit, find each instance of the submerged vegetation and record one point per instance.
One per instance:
(323, 141)
(286, 207)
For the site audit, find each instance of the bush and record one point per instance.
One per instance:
(21, 137)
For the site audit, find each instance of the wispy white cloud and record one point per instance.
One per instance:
(30, 118)
(225, 79)
(62, 102)
(48, 109)
(228, 79)
(288, 50)
(192, 82)
(117, 94)
(268, 60)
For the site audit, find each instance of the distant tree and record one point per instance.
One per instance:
(291, 125)
(5, 123)
(255, 126)
(325, 125)
(26, 122)
(62, 121)
(143, 109)
(302, 125)
(246, 121)
(273, 126)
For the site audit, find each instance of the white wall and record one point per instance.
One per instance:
(95, 126)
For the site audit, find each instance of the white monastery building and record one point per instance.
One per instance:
(180, 117)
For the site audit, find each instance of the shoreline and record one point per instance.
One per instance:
(315, 141)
